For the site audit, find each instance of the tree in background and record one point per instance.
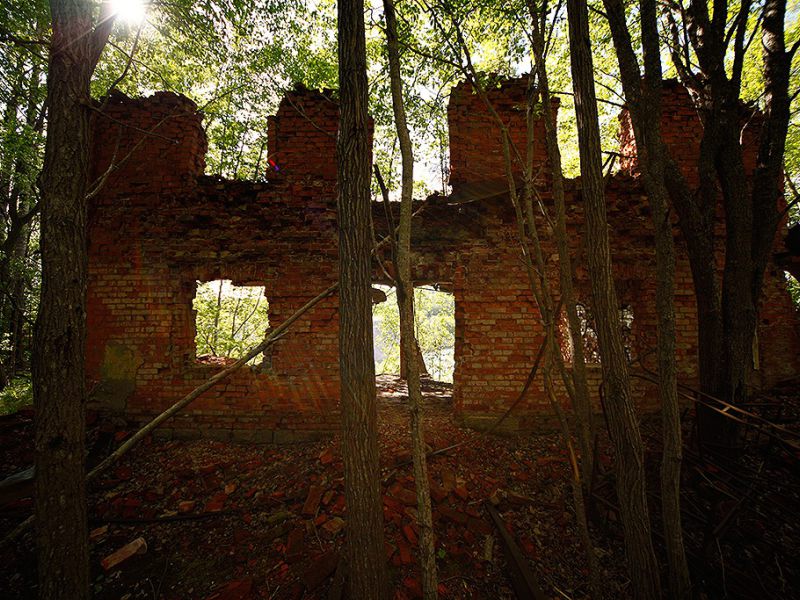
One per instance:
(435, 332)
(22, 91)
(623, 423)
(230, 319)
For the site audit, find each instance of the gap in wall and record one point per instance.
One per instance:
(435, 326)
(229, 320)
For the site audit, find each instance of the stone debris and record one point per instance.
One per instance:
(276, 535)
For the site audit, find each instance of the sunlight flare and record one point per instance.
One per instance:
(130, 11)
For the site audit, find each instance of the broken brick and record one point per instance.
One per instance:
(137, 546)
(413, 586)
(234, 590)
(404, 551)
(295, 545)
(216, 503)
(312, 501)
(326, 456)
(404, 495)
(448, 481)
(456, 516)
(334, 525)
(410, 534)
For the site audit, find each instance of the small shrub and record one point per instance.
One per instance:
(16, 395)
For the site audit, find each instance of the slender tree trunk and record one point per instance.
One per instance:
(644, 104)
(595, 585)
(409, 348)
(366, 554)
(623, 422)
(217, 313)
(423, 368)
(583, 407)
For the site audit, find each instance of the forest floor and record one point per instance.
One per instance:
(232, 521)
(226, 521)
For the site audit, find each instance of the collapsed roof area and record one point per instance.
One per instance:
(160, 225)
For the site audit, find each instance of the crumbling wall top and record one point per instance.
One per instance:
(476, 152)
(682, 131)
(155, 143)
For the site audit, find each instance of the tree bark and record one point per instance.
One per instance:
(623, 422)
(644, 105)
(728, 315)
(60, 330)
(58, 360)
(409, 348)
(366, 554)
(421, 366)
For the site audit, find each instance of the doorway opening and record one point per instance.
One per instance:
(435, 329)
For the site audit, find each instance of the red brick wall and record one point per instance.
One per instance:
(159, 225)
(476, 153)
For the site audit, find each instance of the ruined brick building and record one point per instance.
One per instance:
(160, 225)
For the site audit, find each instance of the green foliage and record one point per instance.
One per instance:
(794, 289)
(16, 395)
(22, 93)
(234, 59)
(230, 319)
(435, 329)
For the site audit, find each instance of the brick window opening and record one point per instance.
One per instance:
(591, 346)
(435, 326)
(229, 320)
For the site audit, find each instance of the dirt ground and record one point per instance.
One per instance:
(226, 521)
(232, 521)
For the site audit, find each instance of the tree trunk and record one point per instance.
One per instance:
(644, 105)
(421, 366)
(366, 554)
(58, 359)
(727, 317)
(623, 422)
(409, 348)
(60, 330)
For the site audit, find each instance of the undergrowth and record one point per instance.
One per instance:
(16, 395)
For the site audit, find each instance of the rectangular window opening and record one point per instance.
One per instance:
(229, 321)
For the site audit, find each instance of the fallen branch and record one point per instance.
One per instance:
(163, 519)
(522, 579)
